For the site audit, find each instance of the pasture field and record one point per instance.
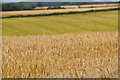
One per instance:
(83, 55)
(60, 24)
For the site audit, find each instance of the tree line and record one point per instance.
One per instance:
(18, 6)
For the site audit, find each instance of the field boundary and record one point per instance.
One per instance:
(59, 13)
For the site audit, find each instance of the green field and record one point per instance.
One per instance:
(73, 23)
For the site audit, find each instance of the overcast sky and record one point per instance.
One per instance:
(56, 0)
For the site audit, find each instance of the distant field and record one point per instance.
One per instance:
(82, 6)
(36, 12)
(73, 23)
(89, 5)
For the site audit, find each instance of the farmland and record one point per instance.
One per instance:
(93, 5)
(74, 23)
(36, 12)
(83, 55)
(61, 46)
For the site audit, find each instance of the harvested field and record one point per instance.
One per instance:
(35, 12)
(83, 55)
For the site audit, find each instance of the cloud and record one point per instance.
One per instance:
(57, 0)
(63, 0)
(72, 0)
(11, 0)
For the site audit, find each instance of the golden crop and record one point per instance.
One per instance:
(35, 12)
(84, 55)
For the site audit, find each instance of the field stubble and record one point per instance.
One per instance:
(84, 55)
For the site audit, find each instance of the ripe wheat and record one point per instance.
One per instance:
(84, 55)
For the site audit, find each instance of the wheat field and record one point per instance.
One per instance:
(83, 55)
